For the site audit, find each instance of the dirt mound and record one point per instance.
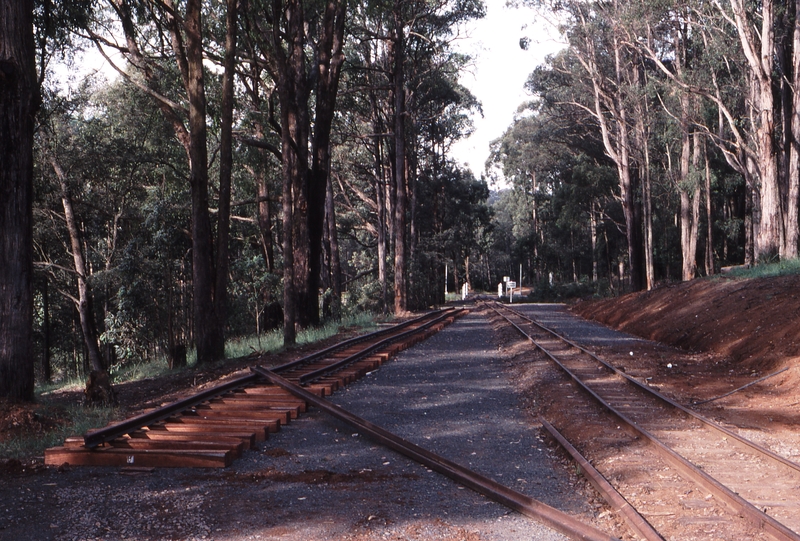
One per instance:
(752, 323)
(18, 419)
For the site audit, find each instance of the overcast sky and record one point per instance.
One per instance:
(500, 72)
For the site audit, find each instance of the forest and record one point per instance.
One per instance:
(264, 165)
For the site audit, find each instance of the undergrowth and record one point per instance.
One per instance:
(59, 423)
(270, 342)
(765, 270)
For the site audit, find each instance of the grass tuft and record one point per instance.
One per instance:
(66, 422)
(270, 342)
(786, 267)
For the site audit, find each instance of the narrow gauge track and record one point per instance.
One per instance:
(212, 428)
(684, 450)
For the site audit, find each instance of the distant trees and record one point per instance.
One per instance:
(695, 106)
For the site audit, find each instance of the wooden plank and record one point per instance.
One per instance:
(261, 429)
(73, 441)
(268, 408)
(190, 445)
(247, 439)
(319, 389)
(261, 416)
(259, 433)
(261, 399)
(294, 408)
(75, 456)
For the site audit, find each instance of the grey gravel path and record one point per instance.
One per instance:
(318, 480)
(556, 317)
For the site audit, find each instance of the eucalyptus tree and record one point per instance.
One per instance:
(609, 70)
(300, 46)
(759, 50)
(409, 102)
(160, 42)
(744, 57)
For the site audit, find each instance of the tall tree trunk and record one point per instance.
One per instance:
(685, 190)
(333, 243)
(767, 238)
(380, 191)
(225, 168)
(98, 388)
(749, 225)
(293, 96)
(289, 296)
(19, 101)
(329, 60)
(593, 237)
(46, 367)
(790, 249)
(208, 332)
(265, 220)
(84, 301)
(709, 257)
(400, 271)
(381, 199)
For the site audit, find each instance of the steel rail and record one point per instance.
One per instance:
(352, 341)
(632, 517)
(98, 437)
(649, 390)
(735, 502)
(338, 365)
(512, 499)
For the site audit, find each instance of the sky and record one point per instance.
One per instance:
(501, 68)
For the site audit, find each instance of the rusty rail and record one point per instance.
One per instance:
(316, 374)
(353, 341)
(666, 400)
(631, 516)
(512, 499)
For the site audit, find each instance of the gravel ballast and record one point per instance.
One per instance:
(317, 479)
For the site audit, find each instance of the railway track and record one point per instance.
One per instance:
(214, 427)
(682, 475)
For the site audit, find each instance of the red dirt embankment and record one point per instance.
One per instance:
(753, 324)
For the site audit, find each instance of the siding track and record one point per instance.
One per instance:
(213, 428)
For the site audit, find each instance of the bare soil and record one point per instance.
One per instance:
(753, 324)
(733, 332)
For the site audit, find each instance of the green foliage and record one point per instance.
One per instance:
(787, 267)
(72, 421)
(543, 291)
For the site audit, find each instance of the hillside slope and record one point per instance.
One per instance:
(752, 323)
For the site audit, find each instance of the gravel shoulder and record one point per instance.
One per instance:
(318, 479)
